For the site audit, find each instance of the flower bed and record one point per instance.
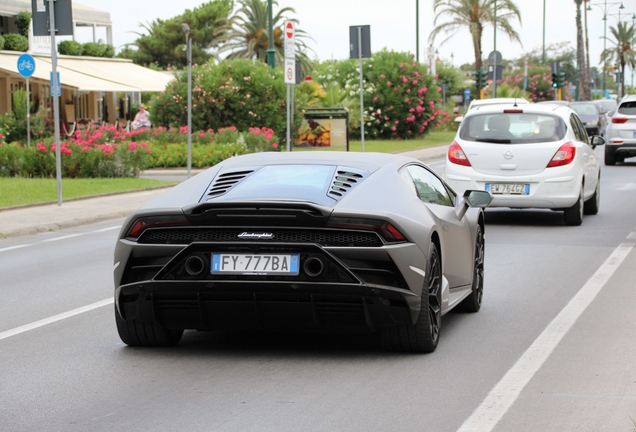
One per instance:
(106, 151)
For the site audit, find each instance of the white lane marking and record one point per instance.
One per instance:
(631, 236)
(107, 229)
(628, 186)
(59, 317)
(101, 230)
(61, 238)
(14, 247)
(504, 394)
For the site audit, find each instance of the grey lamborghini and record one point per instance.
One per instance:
(304, 241)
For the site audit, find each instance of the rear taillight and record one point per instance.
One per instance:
(390, 233)
(619, 120)
(563, 156)
(143, 223)
(456, 155)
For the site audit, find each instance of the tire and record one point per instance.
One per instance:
(472, 303)
(592, 205)
(423, 336)
(574, 215)
(610, 156)
(138, 333)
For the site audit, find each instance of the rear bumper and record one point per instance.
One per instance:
(226, 305)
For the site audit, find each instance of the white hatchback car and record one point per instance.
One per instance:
(527, 156)
(621, 132)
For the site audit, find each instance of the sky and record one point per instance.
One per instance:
(393, 25)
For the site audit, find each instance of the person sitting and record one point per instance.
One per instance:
(499, 126)
(142, 119)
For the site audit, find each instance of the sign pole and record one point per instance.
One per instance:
(56, 105)
(28, 113)
(361, 89)
(288, 125)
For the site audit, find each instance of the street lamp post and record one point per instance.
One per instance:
(186, 30)
(417, 30)
(605, 6)
(271, 53)
(620, 85)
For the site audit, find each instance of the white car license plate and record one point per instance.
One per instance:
(634, 134)
(508, 188)
(255, 264)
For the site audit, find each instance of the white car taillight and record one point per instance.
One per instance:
(563, 156)
(619, 120)
(456, 155)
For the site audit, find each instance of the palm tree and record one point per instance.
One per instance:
(622, 52)
(474, 15)
(584, 82)
(245, 34)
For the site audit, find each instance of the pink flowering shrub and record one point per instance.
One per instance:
(539, 84)
(400, 96)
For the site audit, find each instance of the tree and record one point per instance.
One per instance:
(163, 43)
(622, 52)
(245, 34)
(584, 80)
(474, 15)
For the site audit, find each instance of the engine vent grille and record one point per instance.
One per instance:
(343, 182)
(226, 181)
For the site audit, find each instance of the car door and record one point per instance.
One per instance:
(457, 241)
(590, 161)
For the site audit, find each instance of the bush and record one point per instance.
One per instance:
(15, 42)
(94, 49)
(240, 93)
(70, 47)
(401, 100)
(23, 22)
(1, 42)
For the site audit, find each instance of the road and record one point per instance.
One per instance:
(63, 367)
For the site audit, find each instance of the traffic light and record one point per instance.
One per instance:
(476, 79)
(483, 75)
(555, 81)
(561, 79)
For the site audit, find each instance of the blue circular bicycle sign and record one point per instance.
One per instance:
(26, 65)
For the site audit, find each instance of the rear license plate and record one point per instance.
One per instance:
(508, 188)
(634, 134)
(261, 264)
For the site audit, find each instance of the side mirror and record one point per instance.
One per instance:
(478, 198)
(458, 119)
(597, 140)
(472, 198)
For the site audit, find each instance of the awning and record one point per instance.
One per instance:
(82, 14)
(92, 74)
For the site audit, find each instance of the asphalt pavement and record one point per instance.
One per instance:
(34, 219)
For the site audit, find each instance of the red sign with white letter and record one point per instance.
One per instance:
(290, 39)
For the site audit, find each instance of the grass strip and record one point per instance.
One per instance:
(433, 139)
(17, 191)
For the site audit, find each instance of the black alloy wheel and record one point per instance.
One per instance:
(138, 333)
(472, 303)
(423, 336)
(574, 215)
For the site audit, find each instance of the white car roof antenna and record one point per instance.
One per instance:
(515, 102)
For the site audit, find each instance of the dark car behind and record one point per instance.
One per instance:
(591, 116)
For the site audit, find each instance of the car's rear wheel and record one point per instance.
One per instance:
(423, 336)
(610, 156)
(472, 303)
(139, 333)
(592, 205)
(574, 214)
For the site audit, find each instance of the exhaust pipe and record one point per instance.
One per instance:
(313, 266)
(194, 265)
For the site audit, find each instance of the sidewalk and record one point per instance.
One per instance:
(51, 217)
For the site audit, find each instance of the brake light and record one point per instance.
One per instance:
(456, 155)
(513, 111)
(619, 120)
(143, 223)
(387, 231)
(563, 156)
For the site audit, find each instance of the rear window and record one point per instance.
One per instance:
(512, 128)
(628, 108)
(290, 182)
(585, 109)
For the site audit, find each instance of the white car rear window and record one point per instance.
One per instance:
(628, 108)
(512, 128)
